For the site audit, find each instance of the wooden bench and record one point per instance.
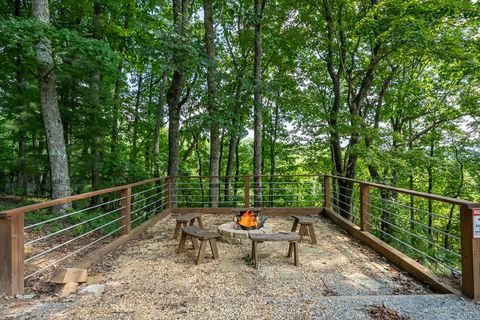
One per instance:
(291, 237)
(187, 220)
(306, 227)
(195, 232)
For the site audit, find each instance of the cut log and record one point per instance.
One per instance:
(64, 289)
(68, 275)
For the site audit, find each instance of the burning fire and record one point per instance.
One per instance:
(248, 220)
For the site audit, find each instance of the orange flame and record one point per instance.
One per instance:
(248, 220)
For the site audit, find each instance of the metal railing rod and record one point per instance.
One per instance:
(347, 204)
(418, 223)
(71, 227)
(73, 253)
(338, 195)
(143, 215)
(148, 205)
(415, 249)
(418, 237)
(408, 207)
(71, 213)
(71, 240)
(145, 199)
(144, 191)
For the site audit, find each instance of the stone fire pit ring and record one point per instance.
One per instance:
(232, 233)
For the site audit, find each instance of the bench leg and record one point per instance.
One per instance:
(303, 230)
(177, 230)
(255, 254)
(213, 247)
(313, 237)
(295, 252)
(183, 240)
(200, 223)
(194, 242)
(290, 249)
(201, 252)
(295, 224)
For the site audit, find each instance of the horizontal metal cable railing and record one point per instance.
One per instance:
(423, 227)
(60, 231)
(243, 191)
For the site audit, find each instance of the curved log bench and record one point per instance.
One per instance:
(196, 233)
(306, 227)
(291, 237)
(187, 220)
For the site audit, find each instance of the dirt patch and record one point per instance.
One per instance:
(384, 313)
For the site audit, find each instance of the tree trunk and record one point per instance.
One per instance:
(118, 88)
(158, 125)
(22, 181)
(456, 195)
(258, 107)
(180, 19)
(430, 189)
(273, 143)
(96, 107)
(51, 114)
(212, 103)
(136, 119)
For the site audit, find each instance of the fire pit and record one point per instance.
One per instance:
(245, 222)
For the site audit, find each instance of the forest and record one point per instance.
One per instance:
(100, 93)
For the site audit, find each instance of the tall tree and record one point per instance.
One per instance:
(95, 113)
(180, 21)
(257, 105)
(212, 102)
(51, 114)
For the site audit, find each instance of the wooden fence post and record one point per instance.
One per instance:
(246, 186)
(126, 212)
(12, 254)
(470, 250)
(168, 202)
(365, 208)
(326, 192)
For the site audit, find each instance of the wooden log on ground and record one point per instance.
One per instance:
(68, 275)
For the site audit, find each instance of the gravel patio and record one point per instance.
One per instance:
(147, 279)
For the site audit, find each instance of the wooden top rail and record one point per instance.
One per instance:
(54, 202)
(436, 197)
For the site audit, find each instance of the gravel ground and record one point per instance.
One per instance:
(337, 279)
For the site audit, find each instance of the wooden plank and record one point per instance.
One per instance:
(95, 256)
(12, 255)
(284, 212)
(197, 232)
(326, 191)
(281, 236)
(365, 208)
(68, 275)
(168, 187)
(470, 251)
(246, 191)
(126, 221)
(64, 289)
(188, 216)
(400, 259)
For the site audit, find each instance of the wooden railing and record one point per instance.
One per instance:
(374, 208)
(33, 239)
